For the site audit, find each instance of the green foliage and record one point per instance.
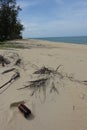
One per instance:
(10, 26)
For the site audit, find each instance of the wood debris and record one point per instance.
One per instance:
(36, 83)
(13, 78)
(4, 61)
(43, 70)
(18, 62)
(9, 70)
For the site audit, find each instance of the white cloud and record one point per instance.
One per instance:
(25, 4)
(70, 20)
(28, 3)
(55, 28)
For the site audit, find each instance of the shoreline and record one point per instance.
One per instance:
(45, 41)
(50, 43)
(67, 39)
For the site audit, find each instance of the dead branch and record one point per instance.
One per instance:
(4, 61)
(36, 83)
(71, 78)
(18, 62)
(7, 71)
(58, 67)
(84, 82)
(41, 83)
(43, 70)
(13, 78)
(13, 57)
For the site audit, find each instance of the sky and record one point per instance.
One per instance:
(53, 18)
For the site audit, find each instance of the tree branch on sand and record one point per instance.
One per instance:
(9, 70)
(4, 61)
(47, 79)
(71, 78)
(50, 78)
(13, 78)
(45, 70)
(11, 57)
(36, 83)
(18, 62)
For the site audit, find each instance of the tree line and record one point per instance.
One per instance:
(10, 26)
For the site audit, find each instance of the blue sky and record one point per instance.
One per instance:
(53, 18)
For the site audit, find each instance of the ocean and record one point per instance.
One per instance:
(74, 39)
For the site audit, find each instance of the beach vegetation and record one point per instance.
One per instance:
(10, 26)
(7, 45)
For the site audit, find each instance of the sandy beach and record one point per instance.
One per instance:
(57, 103)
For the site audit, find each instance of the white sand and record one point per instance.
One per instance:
(64, 111)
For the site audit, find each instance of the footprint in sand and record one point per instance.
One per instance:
(15, 104)
(14, 111)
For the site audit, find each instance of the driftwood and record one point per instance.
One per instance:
(18, 62)
(4, 61)
(7, 71)
(84, 82)
(13, 58)
(13, 78)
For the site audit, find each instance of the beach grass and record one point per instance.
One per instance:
(6, 45)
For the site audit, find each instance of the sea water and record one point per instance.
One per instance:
(74, 39)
